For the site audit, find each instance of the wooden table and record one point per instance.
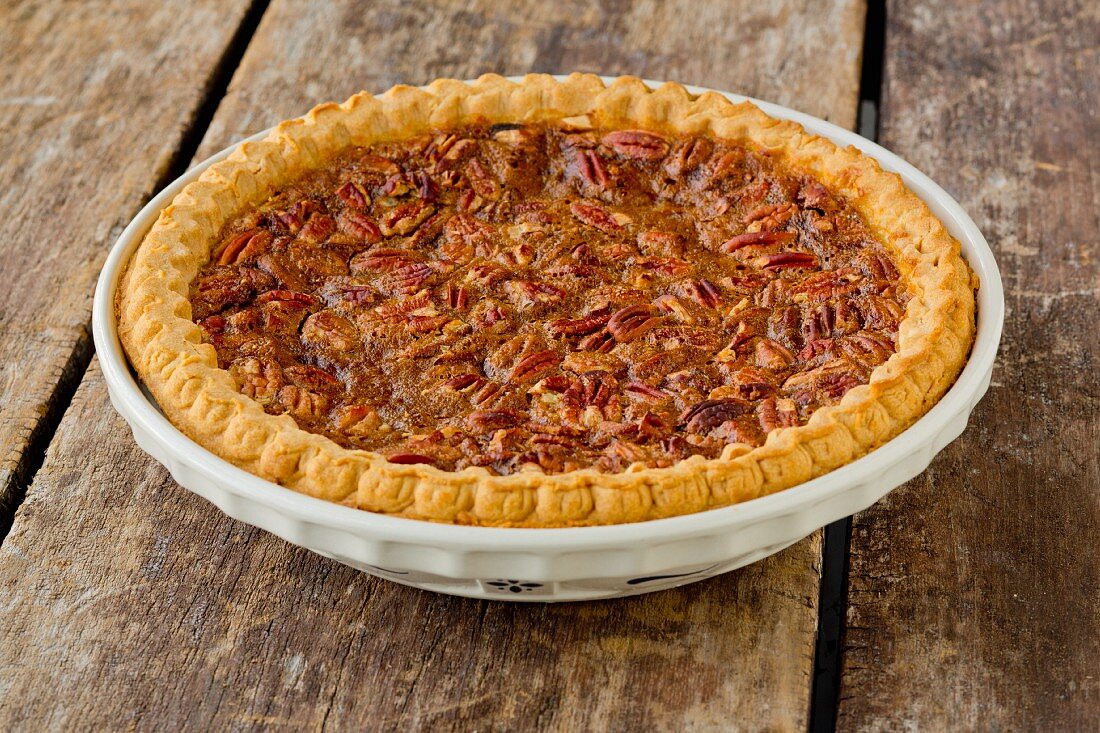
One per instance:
(968, 599)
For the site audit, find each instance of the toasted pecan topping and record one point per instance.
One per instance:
(523, 294)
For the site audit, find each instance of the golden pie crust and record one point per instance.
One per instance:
(168, 351)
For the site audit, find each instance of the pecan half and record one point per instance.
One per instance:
(531, 367)
(289, 275)
(637, 144)
(292, 219)
(633, 321)
(425, 186)
(313, 378)
(814, 349)
(466, 231)
(879, 266)
(557, 384)
(749, 239)
(689, 156)
(667, 266)
(463, 382)
(455, 152)
(706, 293)
(440, 145)
(245, 247)
(643, 391)
(529, 292)
(329, 332)
(881, 313)
(457, 296)
(770, 216)
(382, 259)
(652, 426)
(486, 394)
(774, 293)
(378, 163)
(319, 228)
(289, 297)
(709, 414)
(408, 278)
(426, 324)
(302, 403)
(480, 180)
(867, 349)
(397, 310)
(837, 384)
(591, 389)
(829, 284)
(673, 306)
(776, 413)
(259, 378)
(405, 218)
(353, 195)
(591, 167)
(819, 324)
(579, 326)
(493, 314)
(594, 216)
(469, 201)
(624, 453)
(358, 225)
(772, 354)
(482, 421)
(727, 165)
(361, 420)
(582, 362)
(665, 361)
(752, 383)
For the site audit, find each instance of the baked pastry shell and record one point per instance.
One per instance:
(202, 400)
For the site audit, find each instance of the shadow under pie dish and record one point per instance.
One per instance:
(545, 303)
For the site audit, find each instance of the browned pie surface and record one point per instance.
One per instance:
(538, 295)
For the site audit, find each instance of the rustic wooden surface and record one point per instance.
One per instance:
(95, 100)
(304, 52)
(975, 589)
(208, 624)
(125, 582)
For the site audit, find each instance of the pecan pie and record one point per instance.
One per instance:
(545, 303)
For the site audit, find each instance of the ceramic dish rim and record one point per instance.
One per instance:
(128, 395)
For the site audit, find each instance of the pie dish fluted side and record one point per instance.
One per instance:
(568, 563)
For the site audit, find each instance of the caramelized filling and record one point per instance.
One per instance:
(512, 295)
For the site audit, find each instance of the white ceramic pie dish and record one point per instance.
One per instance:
(573, 563)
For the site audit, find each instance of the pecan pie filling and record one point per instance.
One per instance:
(513, 295)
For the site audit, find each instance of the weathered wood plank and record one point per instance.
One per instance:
(212, 625)
(305, 52)
(95, 98)
(975, 589)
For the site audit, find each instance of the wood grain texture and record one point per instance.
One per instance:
(307, 52)
(975, 589)
(95, 99)
(122, 580)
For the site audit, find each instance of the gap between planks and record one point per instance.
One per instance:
(83, 350)
(832, 607)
